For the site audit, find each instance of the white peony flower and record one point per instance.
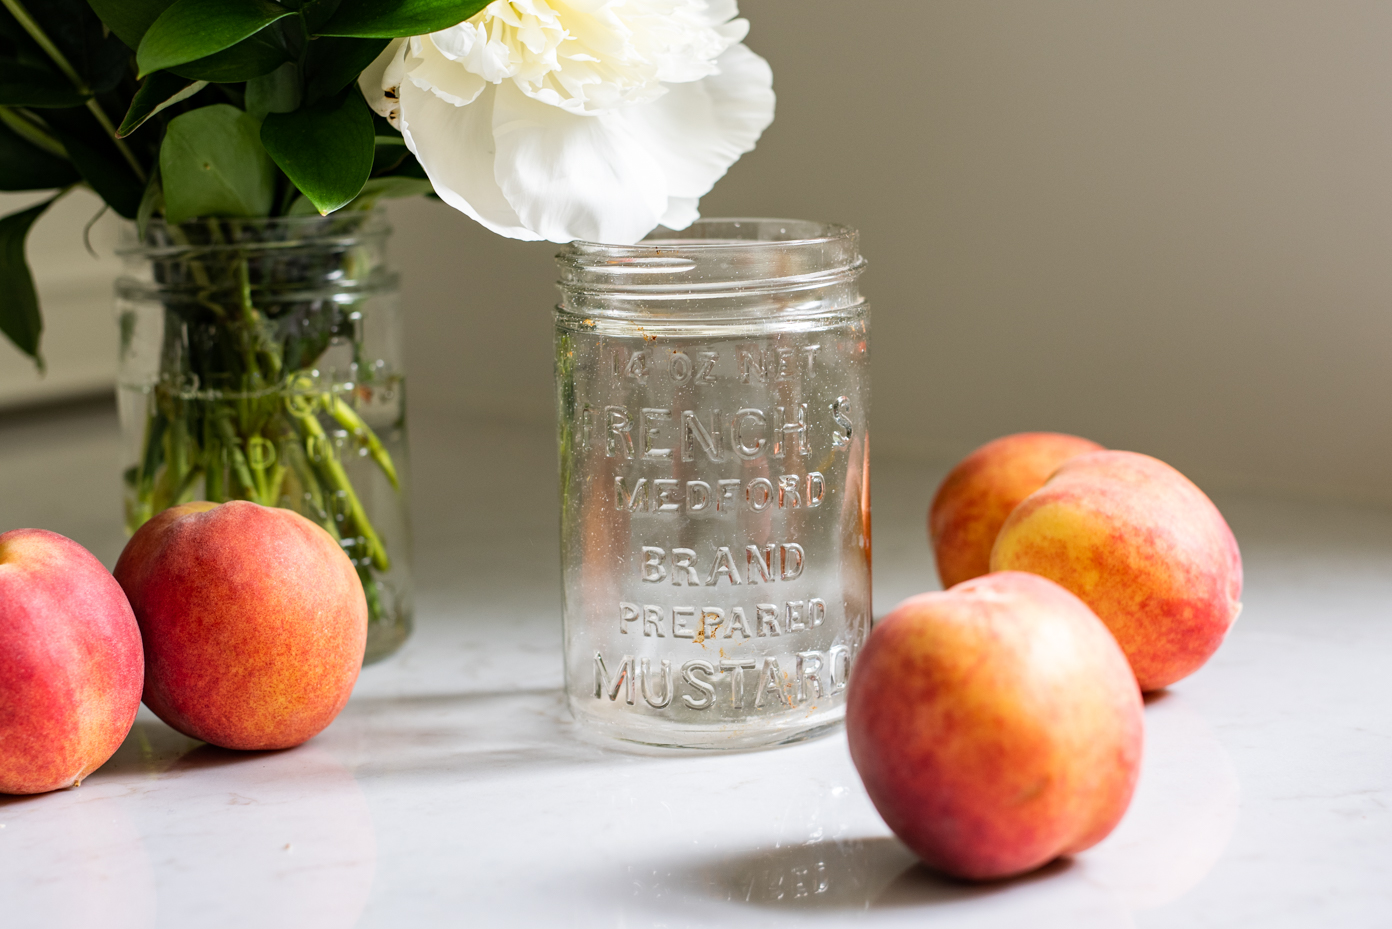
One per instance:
(577, 119)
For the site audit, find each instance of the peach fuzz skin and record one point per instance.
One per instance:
(978, 494)
(70, 663)
(996, 726)
(253, 619)
(1142, 546)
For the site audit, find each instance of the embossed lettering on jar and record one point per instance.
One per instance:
(713, 395)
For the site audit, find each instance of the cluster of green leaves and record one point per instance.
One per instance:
(232, 108)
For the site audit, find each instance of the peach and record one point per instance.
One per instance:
(253, 618)
(996, 725)
(978, 494)
(1142, 546)
(70, 663)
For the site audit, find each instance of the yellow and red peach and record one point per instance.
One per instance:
(978, 494)
(1142, 546)
(253, 619)
(996, 725)
(70, 663)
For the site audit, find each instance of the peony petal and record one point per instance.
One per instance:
(574, 177)
(373, 83)
(681, 212)
(697, 130)
(459, 41)
(455, 147)
(469, 45)
(735, 31)
(447, 79)
(718, 12)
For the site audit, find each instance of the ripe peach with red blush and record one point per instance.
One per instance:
(996, 725)
(1142, 546)
(978, 494)
(253, 619)
(70, 663)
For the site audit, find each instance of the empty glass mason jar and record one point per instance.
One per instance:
(713, 391)
(261, 359)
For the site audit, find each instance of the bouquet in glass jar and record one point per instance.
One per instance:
(248, 141)
(260, 360)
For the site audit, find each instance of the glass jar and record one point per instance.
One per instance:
(712, 392)
(261, 360)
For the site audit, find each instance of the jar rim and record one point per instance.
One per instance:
(714, 256)
(808, 233)
(257, 232)
(722, 274)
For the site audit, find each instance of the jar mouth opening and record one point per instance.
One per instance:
(715, 255)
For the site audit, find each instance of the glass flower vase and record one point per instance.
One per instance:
(713, 396)
(261, 360)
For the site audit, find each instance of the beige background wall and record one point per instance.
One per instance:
(1166, 225)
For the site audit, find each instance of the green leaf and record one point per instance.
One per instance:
(25, 85)
(159, 90)
(409, 167)
(151, 203)
(108, 66)
(334, 63)
(388, 156)
(251, 58)
(277, 92)
(32, 129)
(317, 12)
(95, 155)
(27, 167)
(389, 19)
(194, 29)
(325, 148)
(19, 303)
(379, 188)
(391, 188)
(213, 164)
(130, 19)
(76, 31)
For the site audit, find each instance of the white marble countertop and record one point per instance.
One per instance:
(454, 790)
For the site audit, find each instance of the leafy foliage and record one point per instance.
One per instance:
(334, 63)
(325, 148)
(159, 91)
(194, 29)
(213, 164)
(98, 59)
(24, 166)
(277, 92)
(254, 56)
(95, 156)
(234, 111)
(19, 306)
(186, 109)
(390, 19)
(26, 85)
(129, 19)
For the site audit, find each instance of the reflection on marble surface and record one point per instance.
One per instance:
(1183, 814)
(1178, 826)
(831, 874)
(455, 790)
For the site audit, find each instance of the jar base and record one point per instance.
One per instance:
(662, 736)
(385, 640)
